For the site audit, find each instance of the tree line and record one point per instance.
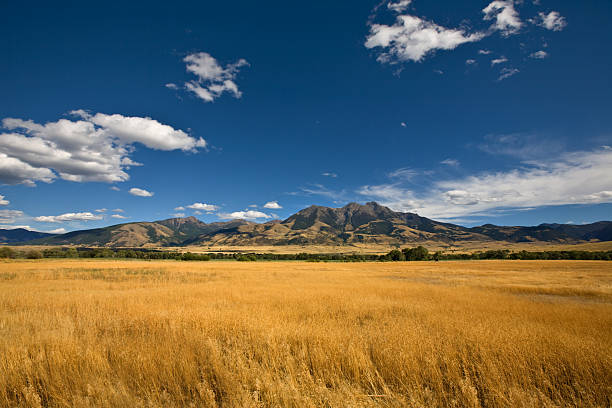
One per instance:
(419, 253)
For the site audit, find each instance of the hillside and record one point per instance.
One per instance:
(354, 223)
(10, 236)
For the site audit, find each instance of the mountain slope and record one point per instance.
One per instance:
(370, 223)
(10, 236)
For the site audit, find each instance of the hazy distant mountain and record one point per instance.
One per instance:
(315, 225)
(9, 236)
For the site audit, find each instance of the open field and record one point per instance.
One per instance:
(294, 334)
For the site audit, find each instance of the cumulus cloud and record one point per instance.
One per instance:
(244, 215)
(539, 55)
(57, 231)
(552, 21)
(9, 216)
(573, 178)
(115, 188)
(507, 73)
(505, 15)
(91, 148)
(119, 216)
(412, 39)
(179, 208)
(3, 201)
(82, 216)
(212, 79)
(178, 215)
(139, 192)
(203, 207)
(272, 205)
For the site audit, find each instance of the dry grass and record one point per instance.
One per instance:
(462, 334)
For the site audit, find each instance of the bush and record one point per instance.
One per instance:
(6, 252)
(33, 254)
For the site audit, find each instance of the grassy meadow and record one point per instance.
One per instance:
(295, 334)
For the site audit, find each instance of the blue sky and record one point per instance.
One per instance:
(469, 112)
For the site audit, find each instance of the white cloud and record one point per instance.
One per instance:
(412, 38)
(3, 201)
(450, 162)
(329, 174)
(399, 6)
(115, 188)
(9, 216)
(551, 21)
(470, 62)
(101, 210)
(179, 208)
(178, 215)
(245, 215)
(212, 79)
(500, 60)
(82, 216)
(92, 148)
(572, 178)
(170, 85)
(484, 52)
(118, 210)
(119, 216)
(506, 17)
(57, 231)
(403, 124)
(507, 73)
(203, 207)
(140, 192)
(539, 55)
(15, 171)
(272, 205)
(404, 173)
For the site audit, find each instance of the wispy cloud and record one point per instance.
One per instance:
(10, 216)
(3, 201)
(506, 73)
(581, 177)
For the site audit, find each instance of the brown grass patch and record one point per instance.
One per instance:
(292, 334)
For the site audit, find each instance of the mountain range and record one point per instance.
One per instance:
(370, 223)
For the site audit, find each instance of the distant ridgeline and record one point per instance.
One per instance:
(354, 223)
(407, 254)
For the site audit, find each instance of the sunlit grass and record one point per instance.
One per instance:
(292, 334)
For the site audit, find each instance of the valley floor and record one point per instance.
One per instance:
(295, 334)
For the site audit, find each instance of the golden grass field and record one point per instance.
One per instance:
(292, 334)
